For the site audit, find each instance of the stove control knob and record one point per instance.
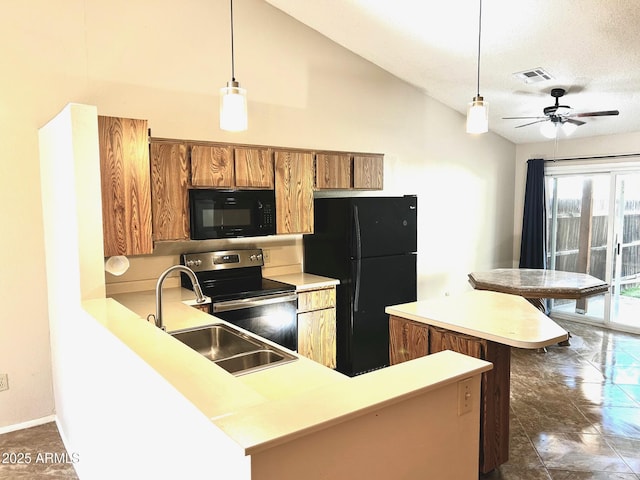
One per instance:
(253, 258)
(190, 263)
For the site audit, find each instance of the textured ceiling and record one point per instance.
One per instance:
(590, 47)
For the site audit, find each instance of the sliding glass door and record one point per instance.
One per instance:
(625, 282)
(594, 228)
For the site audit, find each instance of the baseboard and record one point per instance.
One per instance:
(29, 424)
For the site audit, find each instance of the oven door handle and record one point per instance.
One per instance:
(253, 302)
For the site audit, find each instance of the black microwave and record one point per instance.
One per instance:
(231, 214)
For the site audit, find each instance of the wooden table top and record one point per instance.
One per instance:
(535, 283)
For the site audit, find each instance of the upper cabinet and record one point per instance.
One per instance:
(368, 172)
(126, 194)
(170, 190)
(346, 171)
(253, 167)
(212, 166)
(333, 171)
(294, 191)
(228, 166)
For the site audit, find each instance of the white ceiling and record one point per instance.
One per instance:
(590, 47)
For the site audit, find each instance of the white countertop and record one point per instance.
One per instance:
(498, 317)
(275, 405)
(305, 281)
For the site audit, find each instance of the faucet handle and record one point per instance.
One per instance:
(152, 318)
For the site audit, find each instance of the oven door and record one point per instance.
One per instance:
(273, 317)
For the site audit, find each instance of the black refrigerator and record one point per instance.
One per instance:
(369, 244)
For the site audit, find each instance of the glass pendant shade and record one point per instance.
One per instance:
(233, 108)
(478, 116)
(568, 128)
(549, 129)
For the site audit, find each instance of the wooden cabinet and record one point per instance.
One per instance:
(333, 171)
(253, 168)
(294, 192)
(407, 341)
(126, 195)
(169, 190)
(203, 307)
(227, 166)
(212, 166)
(317, 325)
(349, 172)
(368, 172)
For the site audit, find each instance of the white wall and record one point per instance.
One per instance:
(628, 143)
(165, 61)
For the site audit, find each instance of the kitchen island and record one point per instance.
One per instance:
(484, 325)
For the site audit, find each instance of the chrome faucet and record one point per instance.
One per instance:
(200, 298)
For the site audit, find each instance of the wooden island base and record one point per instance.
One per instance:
(483, 325)
(409, 340)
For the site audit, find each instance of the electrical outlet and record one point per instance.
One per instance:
(464, 396)
(4, 382)
(266, 256)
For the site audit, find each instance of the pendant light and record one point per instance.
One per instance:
(478, 109)
(233, 99)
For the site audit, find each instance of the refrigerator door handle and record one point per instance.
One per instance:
(356, 226)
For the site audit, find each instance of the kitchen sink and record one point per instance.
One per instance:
(233, 350)
(253, 361)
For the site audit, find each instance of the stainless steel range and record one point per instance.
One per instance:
(242, 296)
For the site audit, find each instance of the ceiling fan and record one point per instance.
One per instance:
(560, 117)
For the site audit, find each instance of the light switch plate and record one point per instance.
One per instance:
(4, 382)
(465, 397)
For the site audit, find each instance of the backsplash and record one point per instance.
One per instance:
(283, 255)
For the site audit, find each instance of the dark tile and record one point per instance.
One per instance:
(602, 394)
(42, 453)
(628, 449)
(579, 452)
(619, 421)
(569, 475)
(633, 391)
(514, 472)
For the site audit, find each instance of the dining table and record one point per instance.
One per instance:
(538, 284)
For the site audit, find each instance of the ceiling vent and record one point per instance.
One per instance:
(534, 75)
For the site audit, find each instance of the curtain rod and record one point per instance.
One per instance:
(595, 157)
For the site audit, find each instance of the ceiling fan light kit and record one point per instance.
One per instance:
(233, 99)
(478, 109)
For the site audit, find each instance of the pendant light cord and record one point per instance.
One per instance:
(233, 69)
(479, 36)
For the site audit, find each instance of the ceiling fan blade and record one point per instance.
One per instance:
(524, 118)
(575, 122)
(531, 123)
(597, 114)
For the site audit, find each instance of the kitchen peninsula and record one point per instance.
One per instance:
(300, 419)
(484, 325)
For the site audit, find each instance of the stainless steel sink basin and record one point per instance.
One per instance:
(217, 341)
(233, 350)
(254, 361)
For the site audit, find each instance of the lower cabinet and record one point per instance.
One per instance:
(409, 340)
(317, 325)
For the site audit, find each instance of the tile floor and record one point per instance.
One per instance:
(575, 411)
(35, 453)
(575, 415)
